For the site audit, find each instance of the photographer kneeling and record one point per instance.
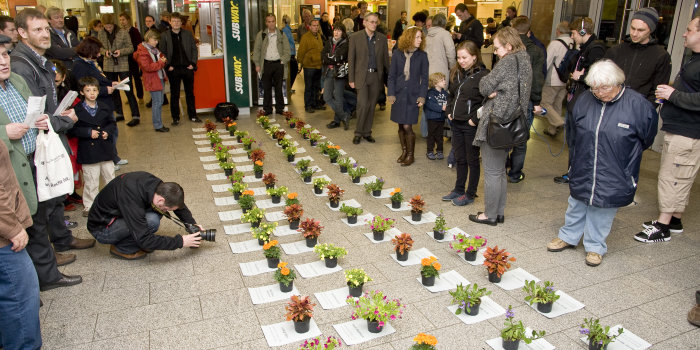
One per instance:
(126, 214)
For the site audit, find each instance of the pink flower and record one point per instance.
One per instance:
(393, 317)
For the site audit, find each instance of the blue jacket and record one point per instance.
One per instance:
(433, 105)
(606, 147)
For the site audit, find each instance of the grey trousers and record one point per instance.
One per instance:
(366, 103)
(494, 163)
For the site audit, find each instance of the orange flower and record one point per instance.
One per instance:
(284, 271)
(427, 339)
(397, 189)
(432, 259)
(292, 195)
(437, 266)
(234, 123)
(281, 264)
(269, 244)
(425, 262)
(258, 162)
(274, 242)
(248, 193)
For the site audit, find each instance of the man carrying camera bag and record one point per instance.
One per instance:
(126, 214)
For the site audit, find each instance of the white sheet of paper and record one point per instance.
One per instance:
(275, 216)
(242, 159)
(488, 309)
(200, 136)
(366, 180)
(515, 279)
(123, 85)
(237, 229)
(201, 142)
(342, 152)
(314, 168)
(350, 203)
(302, 158)
(248, 167)
(316, 268)
(563, 305)
(301, 150)
(283, 333)
(296, 248)
(404, 206)
(414, 257)
(204, 149)
(235, 150)
(230, 215)
(259, 191)
(255, 267)
(211, 166)
(445, 281)
(333, 299)
(199, 129)
(208, 159)
(220, 188)
(388, 235)
(221, 201)
(352, 161)
(356, 332)
(284, 230)
(245, 246)
(626, 341)
(386, 193)
(267, 203)
(426, 218)
(361, 220)
(216, 177)
(479, 257)
(268, 294)
(537, 344)
(449, 235)
(66, 102)
(35, 107)
(251, 178)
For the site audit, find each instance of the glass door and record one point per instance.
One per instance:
(667, 13)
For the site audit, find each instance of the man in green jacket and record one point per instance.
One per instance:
(271, 53)
(309, 56)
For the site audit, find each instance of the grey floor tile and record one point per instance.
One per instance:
(188, 286)
(68, 332)
(613, 296)
(137, 341)
(68, 307)
(207, 334)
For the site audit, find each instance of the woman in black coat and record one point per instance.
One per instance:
(407, 88)
(335, 58)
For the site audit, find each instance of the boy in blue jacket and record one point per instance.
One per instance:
(434, 111)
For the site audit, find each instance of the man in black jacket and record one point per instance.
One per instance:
(71, 21)
(470, 28)
(400, 25)
(126, 214)
(63, 40)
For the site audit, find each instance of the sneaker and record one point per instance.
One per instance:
(430, 155)
(117, 167)
(195, 120)
(515, 180)
(462, 200)
(653, 234)
(564, 179)
(557, 245)
(439, 155)
(123, 162)
(593, 259)
(449, 165)
(673, 228)
(451, 196)
(71, 224)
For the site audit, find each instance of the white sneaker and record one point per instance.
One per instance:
(123, 162)
(117, 167)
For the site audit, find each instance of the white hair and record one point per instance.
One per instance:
(349, 24)
(605, 73)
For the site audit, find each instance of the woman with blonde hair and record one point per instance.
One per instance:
(506, 89)
(407, 88)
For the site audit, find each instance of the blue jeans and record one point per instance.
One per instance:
(312, 82)
(119, 234)
(156, 107)
(349, 101)
(517, 156)
(333, 95)
(590, 222)
(19, 301)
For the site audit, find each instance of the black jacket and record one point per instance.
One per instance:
(590, 52)
(464, 98)
(189, 47)
(680, 112)
(129, 196)
(474, 31)
(61, 51)
(398, 29)
(92, 151)
(337, 58)
(537, 62)
(645, 65)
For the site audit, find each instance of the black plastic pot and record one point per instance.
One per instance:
(238, 139)
(474, 310)
(335, 204)
(376, 193)
(334, 160)
(343, 169)
(273, 262)
(494, 277)
(545, 307)
(352, 219)
(231, 133)
(303, 168)
(395, 204)
(276, 199)
(236, 195)
(313, 143)
(355, 291)
(378, 235)
(293, 225)
(318, 190)
(331, 262)
(302, 326)
(245, 210)
(374, 327)
(255, 224)
(470, 256)
(416, 216)
(438, 235)
(592, 345)
(290, 158)
(510, 344)
(311, 242)
(258, 174)
(356, 180)
(401, 257)
(307, 179)
(261, 242)
(286, 289)
(228, 172)
(428, 281)
(269, 186)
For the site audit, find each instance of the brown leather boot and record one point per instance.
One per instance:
(135, 256)
(410, 147)
(64, 259)
(402, 139)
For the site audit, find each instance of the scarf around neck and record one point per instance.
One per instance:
(407, 64)
(155, 55)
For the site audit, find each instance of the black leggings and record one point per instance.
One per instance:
(435, 131)
(466, 157)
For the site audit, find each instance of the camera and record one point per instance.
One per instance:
(114, 59)
(207, 235)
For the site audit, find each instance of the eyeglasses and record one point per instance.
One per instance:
(603, 89)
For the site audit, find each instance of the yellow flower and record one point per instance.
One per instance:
(427, 339)
(281, 264)
(425, 262)
(397, 189)
(437, 266)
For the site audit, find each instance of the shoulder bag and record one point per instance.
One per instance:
(514, 131)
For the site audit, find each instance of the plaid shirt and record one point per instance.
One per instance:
(16, 109)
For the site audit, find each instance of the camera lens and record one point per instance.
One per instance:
(208, 235)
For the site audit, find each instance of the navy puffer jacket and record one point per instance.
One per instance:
(607, 144)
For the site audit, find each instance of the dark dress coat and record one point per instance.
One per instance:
(93, 151)
(405, 110)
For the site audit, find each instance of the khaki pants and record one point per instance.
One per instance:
(680, 160)
(552, 98)
(91, 174)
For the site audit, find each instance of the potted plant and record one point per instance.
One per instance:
(356, 172)
(396, 198)
(279, 135)
(240, 134)
(300, 310)
(237, 188)
(356, 279)
(228, 168)
(376, 309)
(429, 269)
(330, 253)
(285, 276)
(333, 152)
(237, 176)
(497, 261)
(424, 342)
(313, 138)
(304, 133)
(351, 212)
(402, 245)
(469, 298)
(379, 225)
(334, 194)
(344, 164)
(319, 183)
(247, 143)
(302, 164)
(209, 125)
(258, 169)
(598, 336)
(230, 125)
(246, 200)
(469, 245)
(375, 187)
(306, 174)
(292, 122)
(290, 152)
(287, 115)
(263, 121)
(440, 227)
(316, 344)
(310, 229)
(269, 180)
(253, 216)
(276, 193)
(257, 155)
(513, 333)
(417, 206)
(292, 198)
(221, 152)
(285, 143)
(272, 253)
(271, 130)
(323, 146)
(300, 125)
(543, 295)
(293, 213)
(214, 139)
(263, 232)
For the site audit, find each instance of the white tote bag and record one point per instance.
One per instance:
(54, 172)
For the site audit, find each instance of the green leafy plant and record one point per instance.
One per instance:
(333, 151)
(289, 151)
(516, 331)
(540, 293)
(319, 182)
(284, 274)
(247, 142)
(323, 146)
(230, 125)
(277, 191)
(306, 172)
(238, 187)
(302, 164)
(310, 228)
(271, 130)
(226, 165)
(463, 243)
(285, 143)
(329, 250)
(440, 223)
(314, 136)
(350, 211)
(253, 215)
(334, 192)
(345, 162)
(356, 171)
(264, 121)
(271, 249)
(241, 133)
(356, 277)
(375, 185)
(214, 137)
(596, 333)
(430, 267)
(374, 306)
(497, 261)
(247, 199)
(236, 176)
(258, 166)
(263, 231)
(293, 212)
(467, 297)
(380, 223)
(221, 151)
(396, 195)
(304, 132)
(402, 243)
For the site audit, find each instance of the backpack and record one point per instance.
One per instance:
(565, 66)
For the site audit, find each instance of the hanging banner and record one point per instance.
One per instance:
(236, 48)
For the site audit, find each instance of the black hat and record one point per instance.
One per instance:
(4, 39)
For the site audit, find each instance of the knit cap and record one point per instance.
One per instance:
(648, 15)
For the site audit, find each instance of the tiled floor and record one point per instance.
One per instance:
(198, 299)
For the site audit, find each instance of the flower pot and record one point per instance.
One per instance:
(267, 187)
(272, 262)
(290, 158)
(439, 235)
(356, 180)
(307, 179)
(474, 310)
(303, 168)
(313, 143)
(238, 139)
(255, 224)
(286, 289)
(294, 224)
(335, 204)
(236, 195)
(374, 327)
(311, 242)
(334, 160)
(245, 210)
(494, 277)
(305, 136)
(352, 219)
(592, 345)
(261, 241)
(222, 159)
(258, 174)
(247, 147)
(428, 281)
(355, 291)
(331, 262)
(396, 204)
(302, 326)
(291, 125)
(276, 199)
(228, 172)
(343, 169)
(545, 307)
(231, 133)
(279, 142)
(378, 235)
(510, 344)
(416, 216)
(318, 190)
(470, 256)
(376, 193)
(401, 257)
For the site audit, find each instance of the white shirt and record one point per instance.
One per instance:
(555, 53)
(271, 54)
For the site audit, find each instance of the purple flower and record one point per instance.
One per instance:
(584, 331)
(354, 165)
(510, 313)
(549, 289)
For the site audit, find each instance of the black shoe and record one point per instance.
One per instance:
(195, 120)
(133, 122)
(475, 218)
(370, 139)
(653, 234)
(499, 218)
(356, 140)
(673, 228)
(382, 107)
(320, 108)
(176, 122)
(332, 125)
(515, 180)
(345, 124)
(309, 110)
(162, 129)
(564, 179)
(64, 281)
(119, 118)
(149, 104)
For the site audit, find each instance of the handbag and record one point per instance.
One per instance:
(514, 131)
(54, 173)
(341, 71)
